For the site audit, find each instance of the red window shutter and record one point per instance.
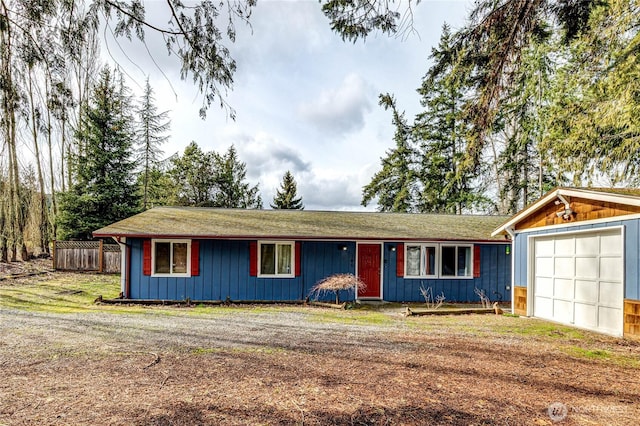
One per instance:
(476, 261)
(298, 258)
(195, 258)
(400, 260)
(146, 257)
(253, 258)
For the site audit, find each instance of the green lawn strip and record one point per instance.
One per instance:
(362, 317)
(602, 355)
(64, 293)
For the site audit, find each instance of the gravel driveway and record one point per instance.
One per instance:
(303, 365)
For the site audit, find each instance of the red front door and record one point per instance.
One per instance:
(369, 269)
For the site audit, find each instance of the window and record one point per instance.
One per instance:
(456, 261)
(438, 261)
(171, 258)
(276, 259)
(421, 261)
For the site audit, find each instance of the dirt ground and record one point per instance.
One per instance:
(307, 366)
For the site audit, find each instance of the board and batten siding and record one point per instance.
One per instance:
(494, 278)
(224, 273)
(631, 236)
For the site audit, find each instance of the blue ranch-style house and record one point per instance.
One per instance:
(207, 254)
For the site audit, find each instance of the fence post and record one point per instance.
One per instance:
(53, 255)
(100, 258)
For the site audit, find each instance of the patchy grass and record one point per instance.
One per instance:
(268, 350)
(538, 328)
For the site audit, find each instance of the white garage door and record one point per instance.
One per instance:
(578, 280)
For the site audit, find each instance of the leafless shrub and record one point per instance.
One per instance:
(430, 301)
(335, 283)
(484, 299)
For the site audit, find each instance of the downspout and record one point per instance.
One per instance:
(123, 263)
(511, 232)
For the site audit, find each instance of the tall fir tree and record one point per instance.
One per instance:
(152, 129)
(193, 177)
(104, 189)
(521, 170)
(231, 189)
(441, 131)
(393, 186)
(286, 197)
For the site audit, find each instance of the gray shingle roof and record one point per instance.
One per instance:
(192, 222)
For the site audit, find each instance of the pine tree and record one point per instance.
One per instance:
(104, 189)
(151, 134)
(394, 184)
(231, 189)
(285, 198)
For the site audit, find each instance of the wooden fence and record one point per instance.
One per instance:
(87, 256)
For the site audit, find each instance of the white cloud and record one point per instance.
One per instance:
(265, 155)
(342, 109)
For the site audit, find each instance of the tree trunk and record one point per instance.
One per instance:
(54, 205)
(42, 225)
(15, 223)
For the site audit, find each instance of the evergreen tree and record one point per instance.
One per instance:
(231, 189)
(193, 177)
(594, 116)
(104, 190)
(441, 132)
(161, 188)
(521, 169)
(394, 184)
(151, 134)
(285, 198)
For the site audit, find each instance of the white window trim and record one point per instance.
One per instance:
(422, 246)
(457, 277)
(171, 274)
(293, 259)
(438, 261)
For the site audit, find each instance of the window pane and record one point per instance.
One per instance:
(464, 261)
(413, 261)
(267, 259)
(162, 258)
(430, 260)
(448, 261)
(179, 258)
(284, 258)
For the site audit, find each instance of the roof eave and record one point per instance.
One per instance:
(289, 237)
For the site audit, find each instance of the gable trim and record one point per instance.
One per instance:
(584, 222)
(560, 193)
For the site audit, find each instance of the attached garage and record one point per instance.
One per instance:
(576, 259)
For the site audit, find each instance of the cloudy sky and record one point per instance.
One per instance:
(305, 100)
